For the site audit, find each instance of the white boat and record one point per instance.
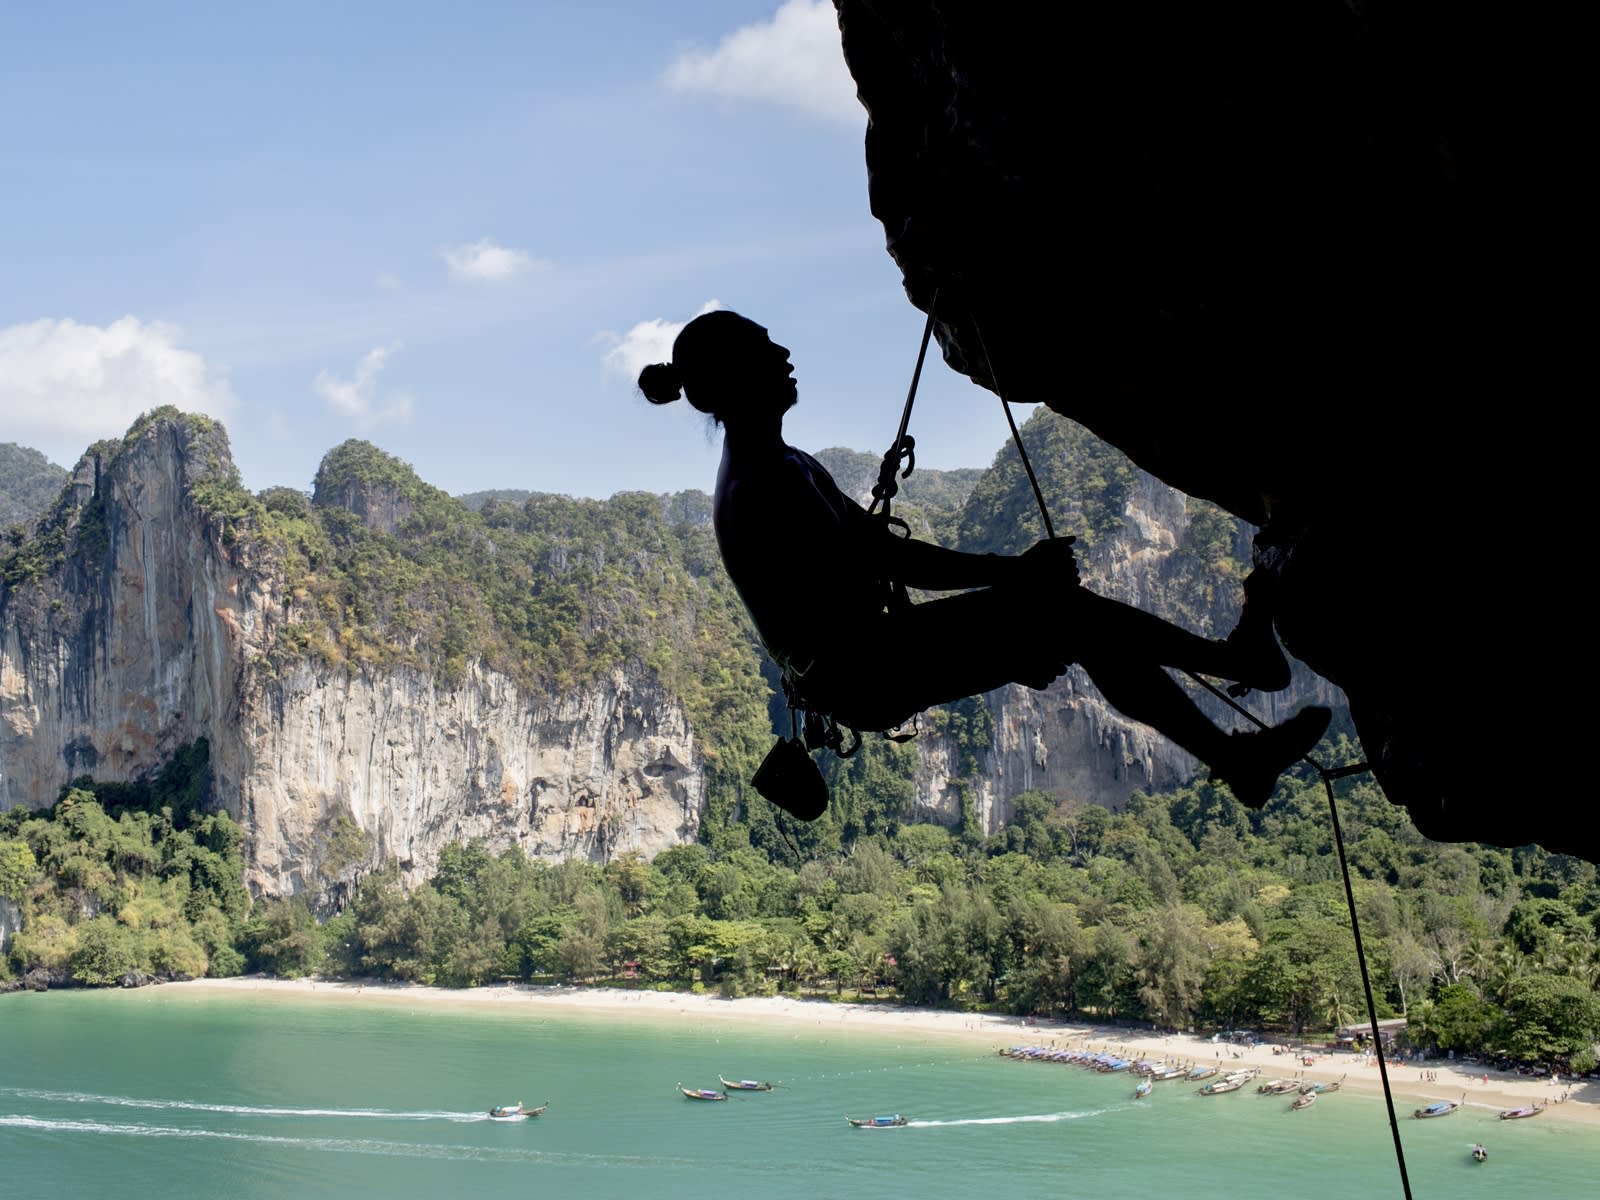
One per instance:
(515, 1112)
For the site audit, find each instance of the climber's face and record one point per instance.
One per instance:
(763, 366)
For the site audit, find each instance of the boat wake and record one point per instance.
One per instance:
(247, 1110)
(374, 1146)
(1029, 1118)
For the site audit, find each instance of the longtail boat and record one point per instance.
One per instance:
(1143, 1090)
(701, 1093)
(1439, 1108)
(1527, 1110)
(515, 1112)
(1303, 1100)
(1312, 1088)
(876, 1122)
(1479, 1154)
(745, 1085)
(1278, 1087)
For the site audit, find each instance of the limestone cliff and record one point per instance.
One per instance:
(139, 623)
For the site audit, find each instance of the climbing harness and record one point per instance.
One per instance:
(819, 728)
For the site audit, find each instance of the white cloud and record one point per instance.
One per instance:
(485, 261)
(357, 397)
(647, 342)
(389, 281)
(794, 60)
(64, 385)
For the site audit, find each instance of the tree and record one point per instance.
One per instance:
(282, 939)
(1106, 980)
(1548, 1018)
(1457, 1018)
(1170, 964)
(1231, 947)
(106, 951)
(1410, 966)
(18, 869)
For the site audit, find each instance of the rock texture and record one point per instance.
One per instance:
(154, 631)
(1299, 260)
(10, 922)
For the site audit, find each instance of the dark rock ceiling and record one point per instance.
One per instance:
(1303, 260)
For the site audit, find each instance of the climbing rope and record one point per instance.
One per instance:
(903, 449)
(1016, 434)
(1327, 775)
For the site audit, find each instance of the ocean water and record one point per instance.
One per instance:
(164, 1093)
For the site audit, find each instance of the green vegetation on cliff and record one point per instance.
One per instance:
(122, 882)
(29, 482)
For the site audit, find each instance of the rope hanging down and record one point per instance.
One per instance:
(1327, 775)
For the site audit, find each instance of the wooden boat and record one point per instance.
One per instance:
(1199, 1073)
(1312, 1088)
(1439, 1108)
(1278, 1087)
(1169, 1073)
(745, 1085)
(1303, 1100)
(876, 1122)
(515, 1112)
(701, 1093)
(1527, 1110)
(1217, 1086)
(1143, 1090)
(1479, 1154)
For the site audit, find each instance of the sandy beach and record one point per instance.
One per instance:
(1410, 1082)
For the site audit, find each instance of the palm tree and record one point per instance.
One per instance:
(1510, 965)
(1478, 961)
(1335, 1010)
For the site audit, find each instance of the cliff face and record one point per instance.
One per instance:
(415, 766)
(1067, 740)
(10, 922)
(133, 640)
(152, 629)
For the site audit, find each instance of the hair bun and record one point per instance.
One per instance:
(661, 383)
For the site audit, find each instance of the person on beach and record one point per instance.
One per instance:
(820, 577)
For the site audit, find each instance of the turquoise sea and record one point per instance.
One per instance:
(163, 1093)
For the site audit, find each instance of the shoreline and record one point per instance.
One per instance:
(982, 1030)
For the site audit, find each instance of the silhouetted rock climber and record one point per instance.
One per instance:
(817, 573)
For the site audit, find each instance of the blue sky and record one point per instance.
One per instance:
(455, 230)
